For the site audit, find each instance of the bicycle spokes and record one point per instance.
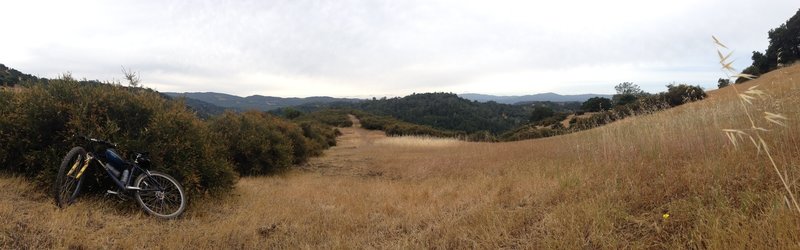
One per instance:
(160, 195)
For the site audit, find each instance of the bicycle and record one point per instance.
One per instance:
(157, 193)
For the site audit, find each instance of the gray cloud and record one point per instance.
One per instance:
(350, 47)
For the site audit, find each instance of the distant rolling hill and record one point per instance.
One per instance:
(553, 97)
(257, 102)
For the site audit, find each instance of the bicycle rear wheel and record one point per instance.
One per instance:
(160, 195)
(67, 187)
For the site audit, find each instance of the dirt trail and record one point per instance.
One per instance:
(347, 157)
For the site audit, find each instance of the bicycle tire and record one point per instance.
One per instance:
(166, 204)
(66, 188)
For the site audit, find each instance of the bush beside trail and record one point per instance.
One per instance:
(39, 122)
(330, 117)
(260, 143)
(38, 125)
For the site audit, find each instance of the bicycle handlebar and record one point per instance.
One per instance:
(107, 143)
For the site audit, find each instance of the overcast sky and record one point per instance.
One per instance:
(347, 48)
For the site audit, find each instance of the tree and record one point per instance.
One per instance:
(760, 62)
(723, 82)
(624, 99)
(752, 70)
(683, 93)
(290, 113)
(783, 48)
(596, 104)
(628, 88)
(132, 77)
(627, 92)
(540, 113)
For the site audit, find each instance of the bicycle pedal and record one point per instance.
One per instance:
(112, 192)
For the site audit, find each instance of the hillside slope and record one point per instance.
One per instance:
(543, 97)
(666, 180)
(257, 102)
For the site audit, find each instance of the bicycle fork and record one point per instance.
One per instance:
(89, 159)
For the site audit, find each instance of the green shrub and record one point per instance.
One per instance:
(481, 136)
(540, 113)
(290, 113)
(723, 82)
(302, 147)
(596, 104)
(261, 143)
(321, 135)
(38, 124)
(554, 119)
(682, 93)
(331, 117)
(529, 132)
(254, 142)
(593, 121)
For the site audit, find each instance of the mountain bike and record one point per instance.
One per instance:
(157, 193)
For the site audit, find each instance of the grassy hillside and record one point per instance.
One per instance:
(667, 180)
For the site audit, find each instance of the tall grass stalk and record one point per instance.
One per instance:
(746, 98)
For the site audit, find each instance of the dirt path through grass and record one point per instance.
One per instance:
(347, 157)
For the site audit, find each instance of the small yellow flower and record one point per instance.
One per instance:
(665, 216)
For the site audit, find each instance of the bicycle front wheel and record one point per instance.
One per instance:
(67, 186)
(160, 195)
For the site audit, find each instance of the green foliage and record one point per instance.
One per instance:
(564, 107)
(783, 48)
(596, 104)
(529, 132)
(540, 113)
(627, 93)
(447, 111)
(723, 82)
(330, 117)
(290, 113)
(628, 88)
(38, 124)
(321, 135)
(553, 120)
(644, 104)
(752, 70)
(395, 127)
(481, 136)
(624, 99)
(760, 63)
(682, 93)
(260, 143)
(596, 120)
(11, 77)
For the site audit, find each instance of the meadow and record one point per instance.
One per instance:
(671, 179)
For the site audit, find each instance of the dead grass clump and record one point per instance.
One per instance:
(419, 141)
(755, 131)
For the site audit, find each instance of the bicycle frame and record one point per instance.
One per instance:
(122, 184)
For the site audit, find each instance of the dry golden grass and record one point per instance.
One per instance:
(608, 187)
(419, 141)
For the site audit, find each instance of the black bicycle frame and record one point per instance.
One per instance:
(123, 184)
